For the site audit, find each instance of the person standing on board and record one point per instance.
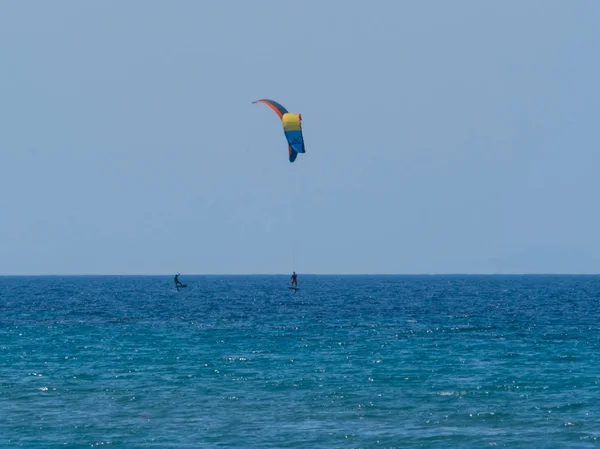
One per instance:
(294, 279)
(177, 282)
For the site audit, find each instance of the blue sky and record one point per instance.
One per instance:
(441, 137)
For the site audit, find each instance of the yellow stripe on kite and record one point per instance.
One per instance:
(291, 122)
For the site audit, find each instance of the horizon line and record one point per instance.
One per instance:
(302, 274)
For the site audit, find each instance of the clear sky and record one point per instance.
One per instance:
(441, 136)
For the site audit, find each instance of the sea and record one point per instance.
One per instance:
(344, 362)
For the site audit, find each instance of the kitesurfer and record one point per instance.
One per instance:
(177, 281)
(294, 279)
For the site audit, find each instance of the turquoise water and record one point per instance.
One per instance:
(347, 362)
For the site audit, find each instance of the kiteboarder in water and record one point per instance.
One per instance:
(292, 129)
(294, 279)
(177, 282)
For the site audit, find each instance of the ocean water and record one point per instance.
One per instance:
(346, 362)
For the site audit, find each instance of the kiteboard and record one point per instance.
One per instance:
(180, 286)
(294, 288)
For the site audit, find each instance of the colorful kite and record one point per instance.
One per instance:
(292, 128)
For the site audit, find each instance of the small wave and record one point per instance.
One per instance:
(452, 393)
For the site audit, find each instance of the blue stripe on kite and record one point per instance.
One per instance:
(295, 140)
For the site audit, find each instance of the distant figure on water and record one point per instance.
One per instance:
(294, 279)
(177, 282)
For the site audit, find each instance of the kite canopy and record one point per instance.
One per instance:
(292, 128)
